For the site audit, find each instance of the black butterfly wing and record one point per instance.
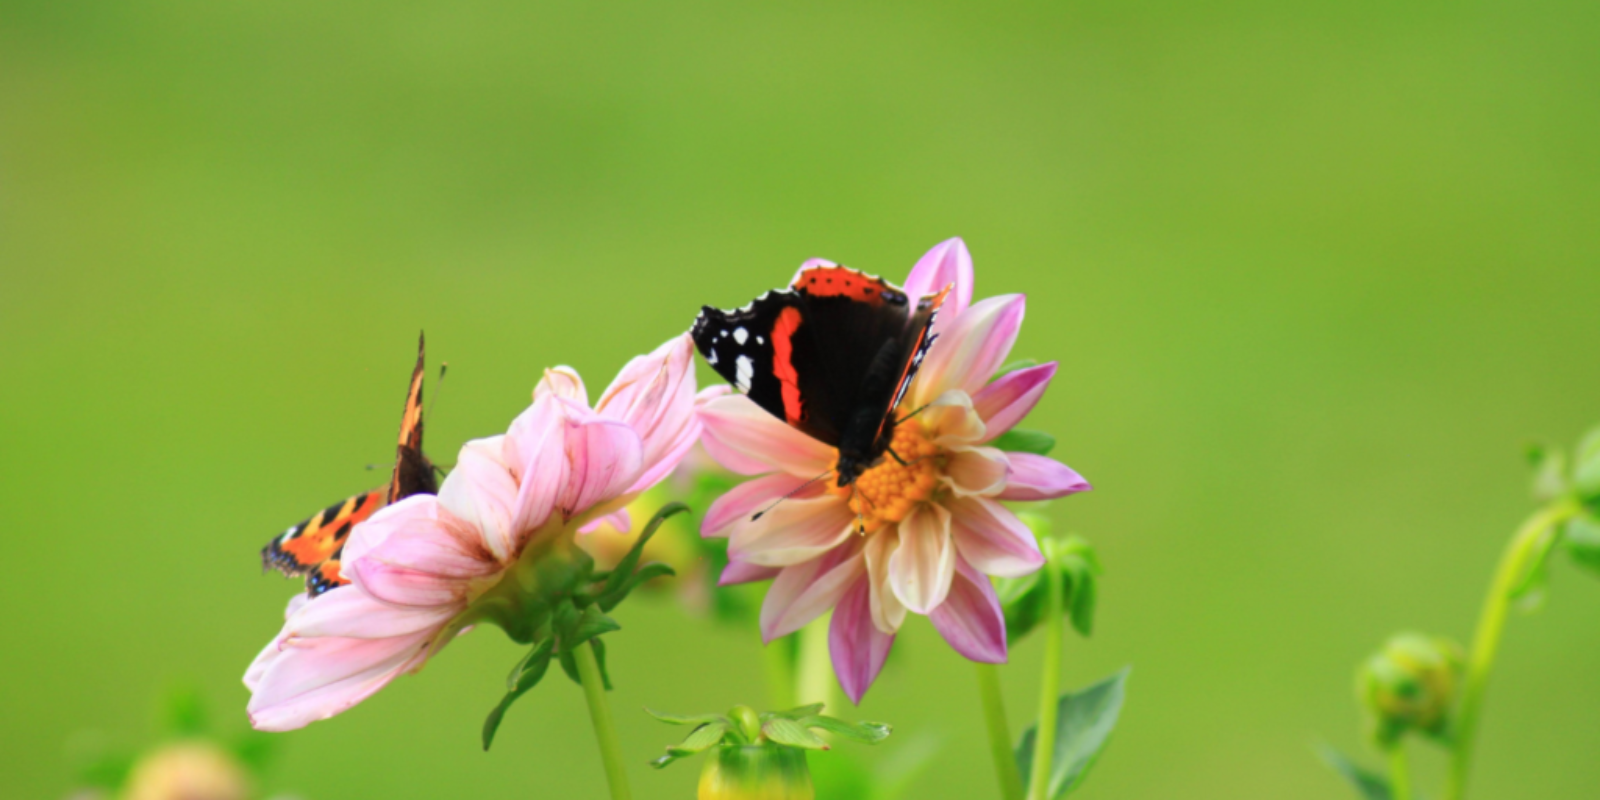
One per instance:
(766, 349)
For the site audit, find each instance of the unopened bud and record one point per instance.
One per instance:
(756, 772)
(1411, 684)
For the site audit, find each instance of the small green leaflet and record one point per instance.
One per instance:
(1371, 786)
(1021, 440)
(1083, 727)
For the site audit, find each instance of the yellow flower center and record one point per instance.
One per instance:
(886, 493)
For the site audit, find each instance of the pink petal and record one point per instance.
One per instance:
(977, 471)
(970, 618)
(606, 458)
(481, 493)
(655, 395)
(969, 352)
(947, 263)
(350, 612)
(1007, 401)
(802, 593)
(991, 538)
(620, 521)
(793, 532)
(858, 648)
(423, 562)
(746, 499)
(535, 451)
(738, 572)
(739, 434)
(321, 677)
(563, 382)
(1040, 478)
(920, 569)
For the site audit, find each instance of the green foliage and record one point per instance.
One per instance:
(1083, 728)
(554, 600)
(1021, 440)
(743, 726)
(1370, 785)
(1583, 542)
(1024, 599)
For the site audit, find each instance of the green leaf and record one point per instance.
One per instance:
(1549, 473)
(1022, 600)
(1583, 542)
(591, 623)
(789, 732)
(651, 571)
(795, 713)
(684, 719)
(624, 568)
(528, 672)
(1020, 440)
(1586, 467)
(1084, 723)
(1529, 592)
(699, 739)
(869, 732)
(1370, 785)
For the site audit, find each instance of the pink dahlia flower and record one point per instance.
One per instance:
(417, 566)
(921, 537)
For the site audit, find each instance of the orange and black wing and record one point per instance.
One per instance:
(313, 547)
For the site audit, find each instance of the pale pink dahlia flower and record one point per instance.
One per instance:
(416, 566)
(922, 537)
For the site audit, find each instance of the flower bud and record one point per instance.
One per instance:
(1411, 684)
(192, 770)
(756, 772)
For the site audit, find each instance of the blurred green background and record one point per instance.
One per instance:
(1315, 272)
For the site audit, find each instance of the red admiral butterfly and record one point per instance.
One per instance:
(313, 547)
(831, 355)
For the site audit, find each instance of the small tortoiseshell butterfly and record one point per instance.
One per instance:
(313, 547)
(831, 356)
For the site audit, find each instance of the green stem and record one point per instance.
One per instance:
(816, 683)
(1044, 744)
(1399, 773)
(605, 731)
(994, 715)
(1486, 641)
(779, 660)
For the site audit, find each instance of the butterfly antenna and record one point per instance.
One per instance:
(792, 493)
(437, 386)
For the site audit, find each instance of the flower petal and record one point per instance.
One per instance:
(977, 471)
(481, 493)
(745, 499)
(803, 592)
(738, 572)
(991, 538)
(420, 561)
(858, 648)
(1008, 400)
(920, 569)
(969, 352)
(970, 618)
(738, 434)
(947, 263)
(952, 421)
(620, 521)
(350, 612)
(793, 532)
(321, 677)
(535, 451)
(563, 382)
(606, 457)
(655, 395)
(1040, 478)
(888, 613)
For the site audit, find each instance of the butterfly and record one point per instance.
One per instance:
(313, 547)
(831, 356)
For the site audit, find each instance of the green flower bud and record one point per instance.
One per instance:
(1410, 685)
(756, 772)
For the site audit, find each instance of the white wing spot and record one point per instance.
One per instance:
(740, 335)
(712, 359)
(744, 370)
(761, 340)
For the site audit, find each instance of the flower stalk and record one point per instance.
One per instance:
(1399, 773)
(1050, 679)
(1519, 557)
(994, 717)
(605, 729)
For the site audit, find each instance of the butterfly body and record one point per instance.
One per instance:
(313, 547)
(831, 356)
